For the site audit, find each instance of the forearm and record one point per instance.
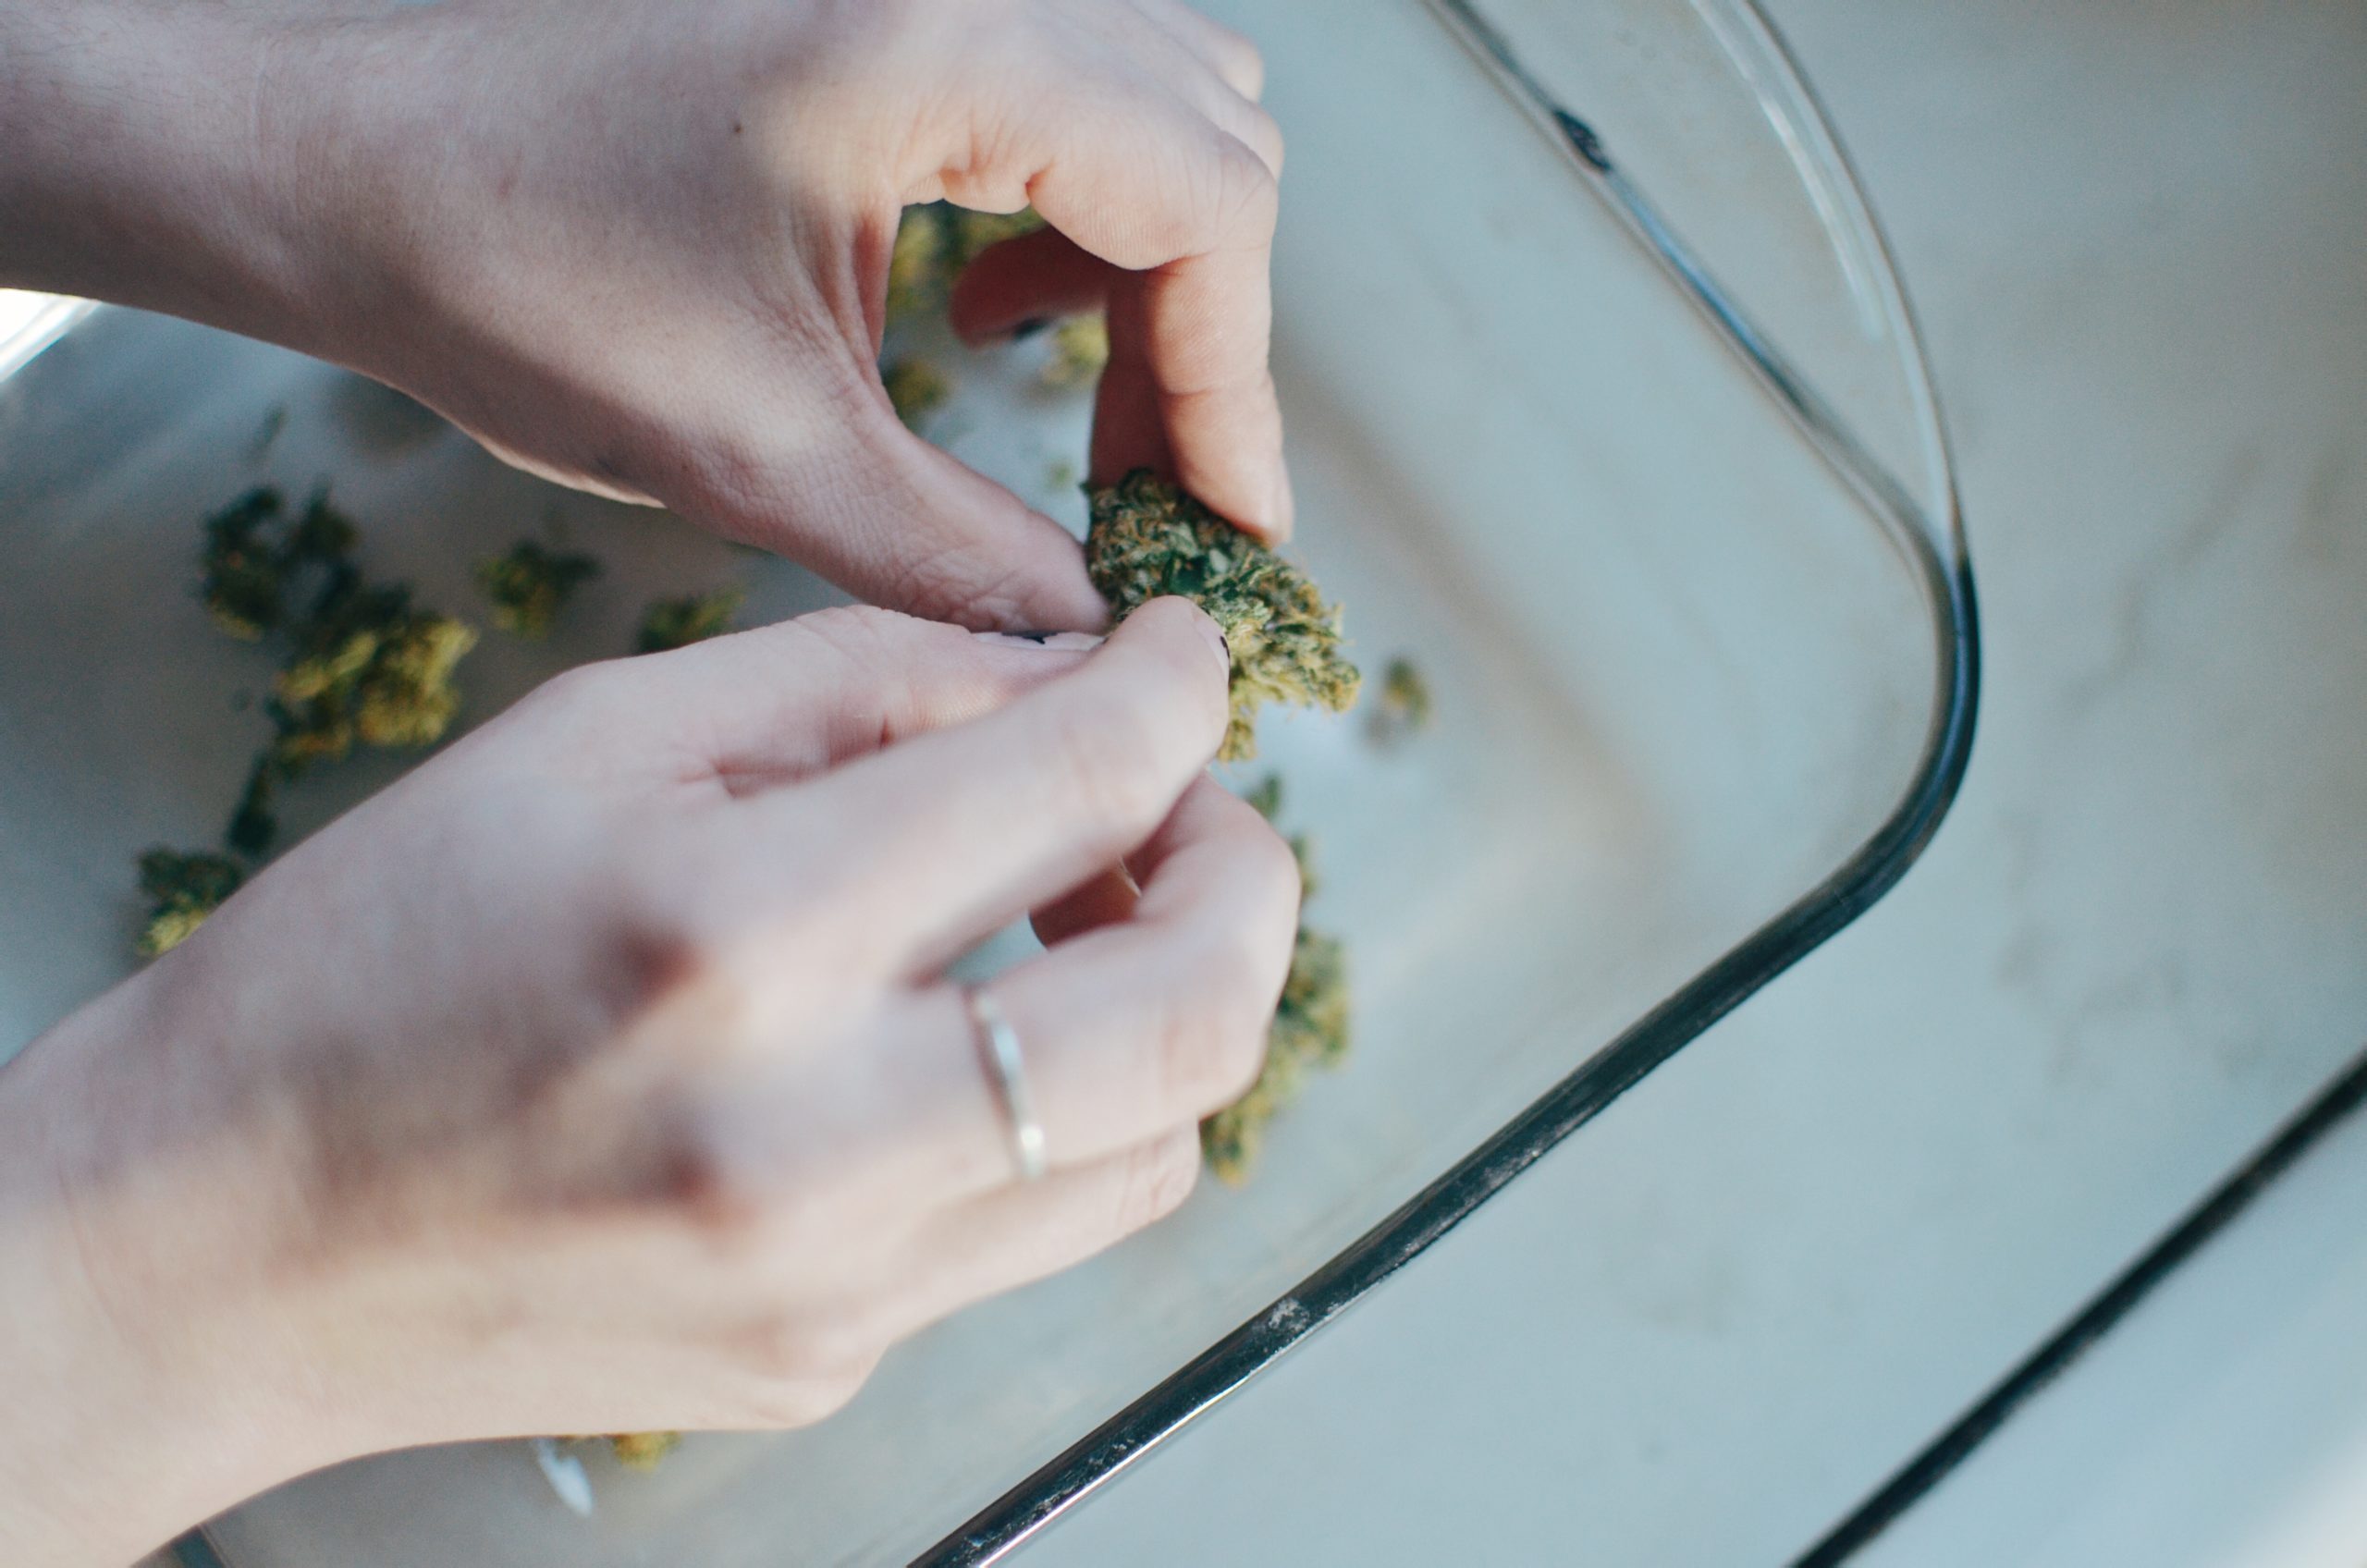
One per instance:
(168, 155)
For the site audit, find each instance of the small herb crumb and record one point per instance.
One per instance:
(669, 624)
(184, 890)
(1080, 351)
(917, 389)
(530, 585)
(1402, 707)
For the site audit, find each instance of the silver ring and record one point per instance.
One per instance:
(999, 1044)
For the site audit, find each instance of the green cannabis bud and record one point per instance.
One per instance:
(1080, 351)
(1148, 538)
(530, 585)
(184, 888)
(669, 624)
(1311, 1028)
(915, 388)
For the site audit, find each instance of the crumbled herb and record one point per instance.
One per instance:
(677, 623)
(1401, 708)
(916, 388)
(641, 1451)
(184, 888)
(1149, 539)
(934, 243)
(365, 665)
(1311, 1028)
(1080, 350)
(253, 555)
(1060, 475)
(530, 585)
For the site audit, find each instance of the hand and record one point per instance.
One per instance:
(643, 248)
(600, 1074)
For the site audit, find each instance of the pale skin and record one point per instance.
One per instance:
(602, 1074)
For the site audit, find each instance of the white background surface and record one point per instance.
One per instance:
(1705, 1330)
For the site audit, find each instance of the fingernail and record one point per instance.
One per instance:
(1284, 505)
(1215, 636)
(1059, 641)
(1029, 328)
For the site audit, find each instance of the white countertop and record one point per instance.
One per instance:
(1706, 1328)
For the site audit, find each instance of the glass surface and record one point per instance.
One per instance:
(1681, 676)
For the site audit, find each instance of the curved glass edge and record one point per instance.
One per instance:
(30, 323)
(1933, 541)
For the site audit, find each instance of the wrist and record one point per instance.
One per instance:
(176, 157)
(142, 1397)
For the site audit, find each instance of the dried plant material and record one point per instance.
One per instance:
(1402, 707)
(1311, 1027)
(529, 584)
(254, 553)
(669, 624)
(915, 390)
(641, 1451)
(1080, 351)
(934, 243)
(184, 890)
(1149, 539)
(365, 665)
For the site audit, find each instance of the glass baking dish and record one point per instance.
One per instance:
(1616, 426)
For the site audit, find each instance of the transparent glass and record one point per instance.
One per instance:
(1695, 615)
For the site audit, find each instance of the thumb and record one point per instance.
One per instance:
(892, 520)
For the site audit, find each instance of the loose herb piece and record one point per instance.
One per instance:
(254, 552)
(1149, 539)
(641, 1451)
(916, 388)
(185, 889)
(1402, 707)
(1080, 350)
(1311, 1028)
(530, 585)
(668, 624)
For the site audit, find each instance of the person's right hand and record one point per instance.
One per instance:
(601, 1074)
(643, 248)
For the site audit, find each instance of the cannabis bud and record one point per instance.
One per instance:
(1149, 539)
(530, 585)
(668, 624)
(185, 889)
(1311, 1028)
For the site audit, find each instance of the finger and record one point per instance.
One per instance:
(1227, 52)
(892, 520)
(1015, 1236)
(1176, 196)
(1033, 277)
(1129, 423)
(1137, 1026)
(945, 837)
(768, 706)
